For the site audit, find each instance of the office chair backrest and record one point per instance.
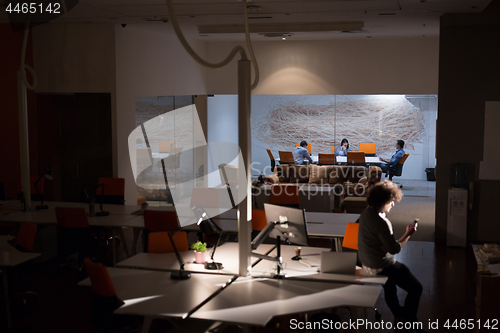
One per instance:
(284, 195)
(270, 154)
(114, 191)
(26, 236)
(160, 220)
(308, 147)
(367, 148)
(329, 159)
(351, 236)
(399, 167)
(259, 220)
(72, 217)
(403, 159)
(166, 147)
(271, 157)
(99, 278)
(112, 186)
(355, 157)
(286, 156)
(159, 242)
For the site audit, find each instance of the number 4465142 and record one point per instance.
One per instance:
(471, 324)
(34, 8)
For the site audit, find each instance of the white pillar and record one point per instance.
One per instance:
(23, 138)
(244, 138)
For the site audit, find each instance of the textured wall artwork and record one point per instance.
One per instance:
(376, 119)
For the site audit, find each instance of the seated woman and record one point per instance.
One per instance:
(343, 148)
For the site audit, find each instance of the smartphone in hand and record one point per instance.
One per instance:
(414, 223)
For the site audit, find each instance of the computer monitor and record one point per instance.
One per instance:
(292, 226)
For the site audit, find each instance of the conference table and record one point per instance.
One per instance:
(343, 159)
(9, 258)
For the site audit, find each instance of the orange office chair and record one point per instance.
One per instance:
(159, 242)
(158, 220)
(367, 148)
(286, 157)
(140, 200)
(104, 300)
(259, 220)
(285, 195)
(271, 157)
(399, 169)
(26, 236)
(351, 236)
(326, 159)
(73, 232)
(356, 157)
(308, 147)
(114, 191)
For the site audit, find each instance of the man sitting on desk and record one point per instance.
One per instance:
(377, 246)
(386, 164)
(300, 153)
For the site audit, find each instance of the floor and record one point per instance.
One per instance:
(447, 275)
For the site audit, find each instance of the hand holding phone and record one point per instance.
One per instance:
(415, 223)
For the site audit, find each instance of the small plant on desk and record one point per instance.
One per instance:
(200, 250)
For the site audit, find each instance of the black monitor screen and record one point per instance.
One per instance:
(295, 230)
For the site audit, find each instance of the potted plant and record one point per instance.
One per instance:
(200, 250)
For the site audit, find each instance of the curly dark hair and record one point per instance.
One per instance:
(382, 193)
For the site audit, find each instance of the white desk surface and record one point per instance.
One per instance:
(152, 293)
(300, 270)
(256, 301)
(227, 254)
(10, 256)
(14, 205)
(49, 217)
(314, 217)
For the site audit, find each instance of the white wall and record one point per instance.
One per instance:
(149, 62)
(360, 66)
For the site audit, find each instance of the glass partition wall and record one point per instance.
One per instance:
(161, 138)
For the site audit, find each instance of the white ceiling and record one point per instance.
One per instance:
(380, 18)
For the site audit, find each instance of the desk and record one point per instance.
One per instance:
(247, 301)
(154, 294)
(328, 225)
(15, 205)
(227, 254)
(255, 302)
(11, 257)
(112, 221)
(295, 269)
(487, 290)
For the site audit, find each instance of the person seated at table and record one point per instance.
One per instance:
(300, 153)
(391, 164)
(343, 148)
(377, 245)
